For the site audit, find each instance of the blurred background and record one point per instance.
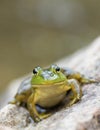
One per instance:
(40, 32)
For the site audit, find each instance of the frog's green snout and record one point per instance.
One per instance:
(50, 75)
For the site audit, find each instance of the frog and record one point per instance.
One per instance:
(48, 87)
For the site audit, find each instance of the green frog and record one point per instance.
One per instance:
(48, 88)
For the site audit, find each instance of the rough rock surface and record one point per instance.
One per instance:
(84, 115)
(5, 128)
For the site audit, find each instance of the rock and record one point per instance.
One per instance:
(5, 128)
(9, 116)
(84, 115)
(93, 124)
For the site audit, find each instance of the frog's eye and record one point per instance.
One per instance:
(35, 71)
(57, 69)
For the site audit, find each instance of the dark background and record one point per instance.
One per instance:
(40, 32)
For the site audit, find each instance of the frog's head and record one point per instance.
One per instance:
(50, 75)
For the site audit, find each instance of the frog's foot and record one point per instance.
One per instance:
(41, 117)
(12, 102)
(73, 101)
(36, 118)
(88, 80)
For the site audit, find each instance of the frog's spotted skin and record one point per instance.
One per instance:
(47, 88)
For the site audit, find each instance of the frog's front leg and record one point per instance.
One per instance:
(31, 104)
(76, 90)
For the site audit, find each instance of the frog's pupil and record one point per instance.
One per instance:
(57, 69)
(34, 71)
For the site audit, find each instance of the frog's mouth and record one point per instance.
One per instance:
(50, 84)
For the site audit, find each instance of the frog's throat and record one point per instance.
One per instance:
(49, 84)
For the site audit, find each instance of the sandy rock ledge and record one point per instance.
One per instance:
(84, 115)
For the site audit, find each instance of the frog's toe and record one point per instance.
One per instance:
(74, 101)
(44, 115)
(12, 102)
(41, 117)
(37, 119)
